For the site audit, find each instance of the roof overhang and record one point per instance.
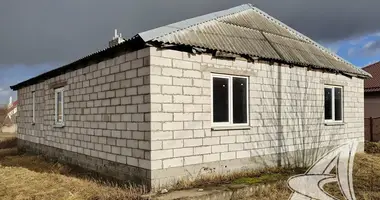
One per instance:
(133, 44)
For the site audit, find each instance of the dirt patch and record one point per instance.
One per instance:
(8, 142)
(372, 147)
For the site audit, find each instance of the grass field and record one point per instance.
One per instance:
(366, 182)
(26, 176)
(32, 177)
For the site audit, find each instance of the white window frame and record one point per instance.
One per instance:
(56, 91)
(230, 103)
(332, 120)
(33, 107)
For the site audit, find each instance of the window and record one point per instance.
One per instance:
(59, 94)
(229, 100)
(333, 104)
(33, 107)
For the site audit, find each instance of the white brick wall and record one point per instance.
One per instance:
(152, 109)
(183, 109)
(106, 111)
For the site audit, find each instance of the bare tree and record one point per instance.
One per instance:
(292, 116)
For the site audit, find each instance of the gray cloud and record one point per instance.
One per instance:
(370, 48)
(43, 31)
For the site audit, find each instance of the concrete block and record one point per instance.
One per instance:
(192, 142)
(172, 72)
(183, 152)
(172, 144)
(202, 150)
(161, 154)
(228, 155)
(173, 162)
(190, 160)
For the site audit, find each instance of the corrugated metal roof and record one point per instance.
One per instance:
(253, 20)
(163, 30)
(244, 30)
(133, 43)
(373, 84)
(222, 36)
(249, 31)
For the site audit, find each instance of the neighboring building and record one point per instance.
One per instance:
(12, 110)
(8, 122)
(372, 91)
(226, 91)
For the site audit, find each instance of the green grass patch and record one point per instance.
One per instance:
(265, 178)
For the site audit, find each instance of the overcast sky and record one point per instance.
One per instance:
(39, 35)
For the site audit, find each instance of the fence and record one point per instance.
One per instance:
(372, 129)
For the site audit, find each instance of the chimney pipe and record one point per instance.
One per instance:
(117, 39)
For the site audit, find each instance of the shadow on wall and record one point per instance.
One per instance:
(292, 120)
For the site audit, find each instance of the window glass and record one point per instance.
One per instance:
(328, 103)
(33, 107)
(338, 103)
(59, 106)
(220, 99)
(239, 100)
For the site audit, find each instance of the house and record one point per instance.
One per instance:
(12, 109)
(8, 120)
(372, 103)
(226, 91)
(372, 91)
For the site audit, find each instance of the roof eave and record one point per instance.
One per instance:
(134, 43)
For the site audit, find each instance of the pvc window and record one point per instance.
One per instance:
(229, 98)
(33, 107)
(59, 106)
(333, 103)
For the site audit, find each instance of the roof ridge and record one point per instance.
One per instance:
(260, 30)
(178, 26)
(371, 65)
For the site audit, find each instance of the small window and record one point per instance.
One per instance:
(33, 107)
(333, 104)
(59, 117)
(229, 100)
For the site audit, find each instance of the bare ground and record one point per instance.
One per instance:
(32, 177)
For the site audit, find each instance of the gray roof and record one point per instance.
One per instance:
(247, 30)
(242, 30)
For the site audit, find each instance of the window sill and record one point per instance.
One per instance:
(58, 125)
(221, 128)
(334, 123)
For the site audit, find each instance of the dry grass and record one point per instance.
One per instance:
(32, 177)
(372, 147)
(366, 176)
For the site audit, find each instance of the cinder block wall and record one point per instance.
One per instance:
(106, 117)
(286, 107)
(146, 116)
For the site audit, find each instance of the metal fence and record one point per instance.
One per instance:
(372, 129)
